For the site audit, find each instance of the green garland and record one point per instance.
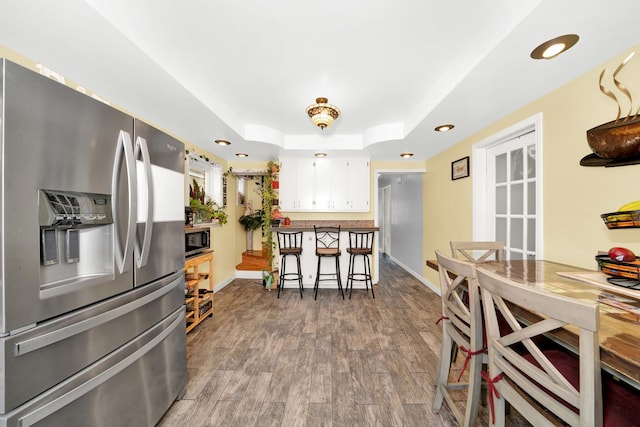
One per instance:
(268, 198)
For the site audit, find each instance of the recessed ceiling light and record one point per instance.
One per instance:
(444, 128)
(554, 47)
(242, 155)
(222, 142)
(406, 155)
(320, 154)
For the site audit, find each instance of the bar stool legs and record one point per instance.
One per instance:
(337, 274)
(290, 244)
(327, 245)
(360, 244)
(360, 277)
(297, 275)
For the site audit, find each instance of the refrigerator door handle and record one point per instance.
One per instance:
(142, 250)
(33, 344)
(44, 411)
(123, 250)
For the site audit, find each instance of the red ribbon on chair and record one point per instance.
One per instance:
(441, 319)
(468, 357)
(491, 391)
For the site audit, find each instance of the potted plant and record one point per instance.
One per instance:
(251, 221)
(206, 209)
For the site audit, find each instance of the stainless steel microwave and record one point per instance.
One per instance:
(196, 240)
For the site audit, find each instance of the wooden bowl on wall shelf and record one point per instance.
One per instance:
(616, 140)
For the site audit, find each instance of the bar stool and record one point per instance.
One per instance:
(360, 244)
(290, 244)
(328, 245)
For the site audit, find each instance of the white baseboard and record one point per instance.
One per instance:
(224, 283)
(248, 274)
(422, 280)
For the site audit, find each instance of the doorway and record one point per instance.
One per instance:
(385, 229)
(399, 215)
(507, 191)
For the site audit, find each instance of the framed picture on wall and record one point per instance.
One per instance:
(460, 168)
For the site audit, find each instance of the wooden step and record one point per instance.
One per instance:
(253, 261)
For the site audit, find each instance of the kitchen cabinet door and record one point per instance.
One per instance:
(288, 184)
(305, 178)
(340, 185)
(359, 179)
(322, 185)
(297, 177)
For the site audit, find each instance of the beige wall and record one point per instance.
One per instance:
(223, 236)
(573, 196)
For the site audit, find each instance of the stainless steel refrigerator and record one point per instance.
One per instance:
(92, 328)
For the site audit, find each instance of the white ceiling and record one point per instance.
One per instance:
(246, 70)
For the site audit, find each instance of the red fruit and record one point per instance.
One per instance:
(621, 254)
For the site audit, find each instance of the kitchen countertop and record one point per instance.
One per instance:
(346, 225)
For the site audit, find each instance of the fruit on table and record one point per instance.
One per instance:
(631, 206)
(621, 254)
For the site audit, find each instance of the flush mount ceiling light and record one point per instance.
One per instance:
(322, 114)
(554, 47)
(320, 154)
(222, 142)
(242, 155)
(444, 128)
(406, 155)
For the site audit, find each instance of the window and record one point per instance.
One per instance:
(207, 175)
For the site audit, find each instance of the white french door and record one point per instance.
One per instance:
(513, 184)
(508, 190)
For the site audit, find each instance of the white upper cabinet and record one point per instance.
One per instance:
(325, 185)
(297, 177)
(359, 180)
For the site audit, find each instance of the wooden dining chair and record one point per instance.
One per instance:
(545, 385)
(461, 326)
(478, 251)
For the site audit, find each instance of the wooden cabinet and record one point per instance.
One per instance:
(198, 273)
(325, 185)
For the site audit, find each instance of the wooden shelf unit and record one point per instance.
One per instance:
(199, 306)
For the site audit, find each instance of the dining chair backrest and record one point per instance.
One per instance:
(461, 328)
(549, 387)
(460, 300)
(478, 251)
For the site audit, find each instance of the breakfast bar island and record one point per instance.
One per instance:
(309, 261)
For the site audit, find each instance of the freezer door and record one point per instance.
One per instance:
(160, 221)
(56, 138)
(132, 386)
(39, 358)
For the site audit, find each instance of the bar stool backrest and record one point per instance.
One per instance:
(513, 371)
(478, 251)
(289, 240)
(361, 241)
(327, 237)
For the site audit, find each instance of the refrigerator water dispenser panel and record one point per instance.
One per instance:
(73, 209)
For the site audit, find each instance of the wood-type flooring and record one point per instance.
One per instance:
(263, 361)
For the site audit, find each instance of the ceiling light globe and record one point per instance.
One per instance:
(322, 114)
(553, 50)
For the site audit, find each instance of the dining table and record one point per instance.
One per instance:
(619, 332)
